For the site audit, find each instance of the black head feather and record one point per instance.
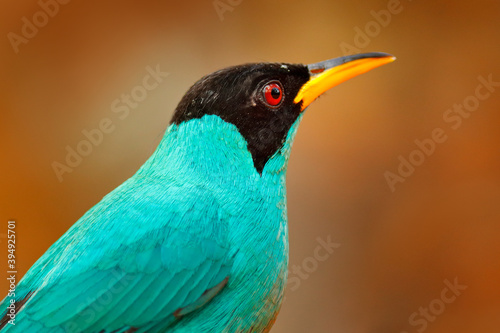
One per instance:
(237, 95)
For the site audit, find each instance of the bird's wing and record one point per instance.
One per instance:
(146, 253)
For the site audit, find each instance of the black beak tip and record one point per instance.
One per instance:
(323, 65)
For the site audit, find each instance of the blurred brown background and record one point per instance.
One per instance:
(397, 248)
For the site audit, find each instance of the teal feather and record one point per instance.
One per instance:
(179, 228)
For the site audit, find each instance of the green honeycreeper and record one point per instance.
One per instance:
(196, 240)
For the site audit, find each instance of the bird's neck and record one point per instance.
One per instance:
(210, 150)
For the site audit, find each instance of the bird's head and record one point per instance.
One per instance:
(264, 100)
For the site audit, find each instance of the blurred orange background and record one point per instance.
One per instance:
(397, 245)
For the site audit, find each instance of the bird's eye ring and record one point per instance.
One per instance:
(272, 94)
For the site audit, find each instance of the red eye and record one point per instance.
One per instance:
(273, 94)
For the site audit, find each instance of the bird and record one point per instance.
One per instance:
(197, 239)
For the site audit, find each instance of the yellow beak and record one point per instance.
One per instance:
(329, 73)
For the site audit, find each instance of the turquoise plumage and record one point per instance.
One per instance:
(195, 241)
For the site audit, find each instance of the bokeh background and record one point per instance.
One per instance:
(395, 248)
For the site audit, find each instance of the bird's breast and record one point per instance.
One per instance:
(260, 235)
